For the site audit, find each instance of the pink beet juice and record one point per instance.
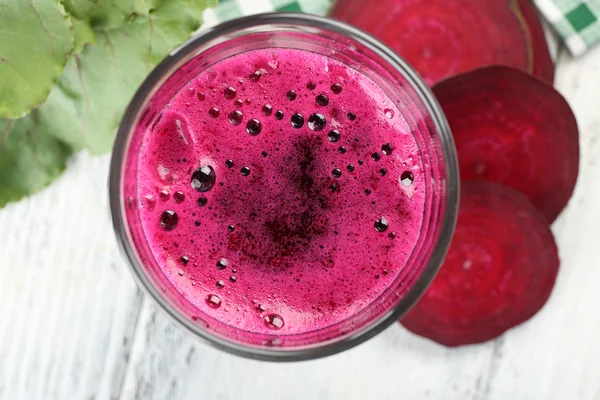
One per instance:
(280, 193)
(283, 191)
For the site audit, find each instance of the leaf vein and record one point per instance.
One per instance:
(5, 131)
(39, 17)
(114, 59)
(10, 64)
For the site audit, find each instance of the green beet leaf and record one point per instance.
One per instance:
(86, 105)
(105, 14)
(83, 35)
(30, 159)
(36, 38)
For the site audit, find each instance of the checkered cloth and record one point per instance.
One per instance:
(229, 9)
(576, 21)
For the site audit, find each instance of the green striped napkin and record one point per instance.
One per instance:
(576, 21)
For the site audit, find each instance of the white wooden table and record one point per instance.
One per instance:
(74, 326)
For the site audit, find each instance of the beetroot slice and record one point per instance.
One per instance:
(513, 129)
(442, 38)
(542, 64)
(499, 271)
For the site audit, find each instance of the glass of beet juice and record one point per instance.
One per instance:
(284, 186)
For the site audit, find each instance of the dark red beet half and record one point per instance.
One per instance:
(514, 129)
(499, 271)
(443, 38)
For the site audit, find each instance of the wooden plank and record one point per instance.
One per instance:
(69, 306)
(167, 363)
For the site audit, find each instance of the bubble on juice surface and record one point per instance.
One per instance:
(386, 149)
(222, 263)
(173, 144)
(230, 92)
(229, 163)
(245, 171)
(149, 202)
(381, 224)
(253, 127)
(336, 173)
(235, 117)
(203, 179)
(214, 112)
(274, 321)
(279, 115)
(351, 116)
(169, 220)
(179, 196)
(375, 156)
(389, 113)
(322, 100)
(291, 95)
(297, 120)
(220, 284)
(184, 260)
(202, 201)
(164, 195)
(334, 136)
(213, 301)
(255, 76)
(336, 88)
(407, 178)
(267, 109)
(317, 122)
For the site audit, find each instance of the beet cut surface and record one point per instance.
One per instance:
(516, 130)
(499, 271)
(443, 38)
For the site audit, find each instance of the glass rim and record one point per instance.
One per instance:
(450, 203)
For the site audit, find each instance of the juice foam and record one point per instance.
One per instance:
(281, 191)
